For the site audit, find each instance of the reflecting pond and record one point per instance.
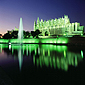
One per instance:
(43, 64)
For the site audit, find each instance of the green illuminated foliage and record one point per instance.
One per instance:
(24, 41)
(61, 40)
(4, 41)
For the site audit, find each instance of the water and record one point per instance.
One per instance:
(20, 33)
(43, 64)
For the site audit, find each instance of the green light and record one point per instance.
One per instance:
(62, 63)
(37, 62)
(64, 53)
(58, 41)
(82, 53)
(81, 34)
(35, 51)
(40, 62)
(72, 61)
(27, 47)
(50, 61)
(48, 52)
(64, 34)
(46, 61)
(54, 62)
(76, 63)
(54, 47)
(3, 46)
(24, 41)
(27, 50)
(23, 51)
(34, 60)
(4, 41)
(66, 66)
(61, 48)
(58, 63)
(49, 40)
(62, 40)
(55, 40)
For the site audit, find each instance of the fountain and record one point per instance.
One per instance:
(20, 38)
(20, 33)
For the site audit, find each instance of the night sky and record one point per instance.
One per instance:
(30, 10)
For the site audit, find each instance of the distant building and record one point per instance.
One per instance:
(61, 26)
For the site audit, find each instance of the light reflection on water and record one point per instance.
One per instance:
(53, 56)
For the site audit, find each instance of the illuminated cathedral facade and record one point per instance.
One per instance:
(61, 26)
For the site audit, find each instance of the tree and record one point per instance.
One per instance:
(27, 34)
(37, 32)
(7, 36)
(0, 35)
(14, 34)
(33, 33)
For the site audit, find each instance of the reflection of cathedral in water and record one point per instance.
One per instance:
(57, 56)
(47, 55)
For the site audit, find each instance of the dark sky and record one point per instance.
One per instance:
(30, 10)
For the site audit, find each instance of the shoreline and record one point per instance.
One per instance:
(54, 41)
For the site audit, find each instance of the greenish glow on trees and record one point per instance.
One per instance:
(4, 41)
(25, 41)
(61, 40)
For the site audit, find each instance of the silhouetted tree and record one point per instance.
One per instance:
(0, 35)
(7, 36)
(24, 34)
(33, 34)
(27, 34)
(37, 32)
(14, 34)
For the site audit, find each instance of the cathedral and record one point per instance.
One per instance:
(60, 26)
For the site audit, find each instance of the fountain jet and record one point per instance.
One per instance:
(20, 33)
